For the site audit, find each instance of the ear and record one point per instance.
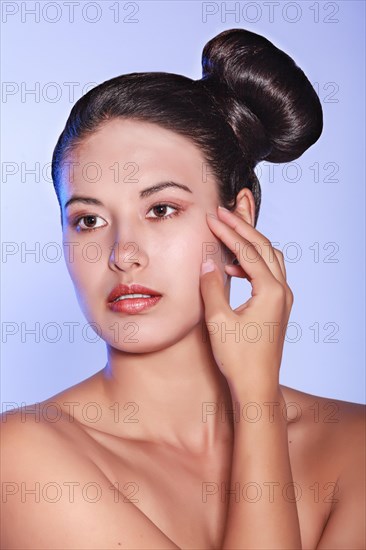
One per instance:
(245, 206)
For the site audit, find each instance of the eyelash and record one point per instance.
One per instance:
(178, 211)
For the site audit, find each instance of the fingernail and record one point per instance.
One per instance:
(223, 208)
(207, 266)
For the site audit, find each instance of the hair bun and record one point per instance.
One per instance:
(265, 95)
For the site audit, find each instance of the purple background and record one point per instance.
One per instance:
(315, 201)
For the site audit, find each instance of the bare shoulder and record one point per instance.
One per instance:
(328, 425)
(52, 488)
(24, 432)
(345, 418)
(333, 439)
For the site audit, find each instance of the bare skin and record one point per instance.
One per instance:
(172, 487)
(159, 451)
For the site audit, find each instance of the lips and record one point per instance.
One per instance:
(121, 290)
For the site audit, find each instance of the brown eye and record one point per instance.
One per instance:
(87, 223)
(160, 210)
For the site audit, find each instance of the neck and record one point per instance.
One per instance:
(175, 396)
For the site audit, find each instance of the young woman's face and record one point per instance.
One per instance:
(123, 236)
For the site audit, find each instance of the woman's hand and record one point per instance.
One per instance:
(247, 342)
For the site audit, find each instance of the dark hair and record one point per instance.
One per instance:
(252, 103)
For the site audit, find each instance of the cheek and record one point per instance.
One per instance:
(185, 255)
(81, 260)
(199, 244)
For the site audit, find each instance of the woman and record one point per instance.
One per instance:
(185, 439)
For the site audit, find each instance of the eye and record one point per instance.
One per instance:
(160, 209)
(90, 220)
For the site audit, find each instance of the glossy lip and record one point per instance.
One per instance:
(121, 290)
(133, 306)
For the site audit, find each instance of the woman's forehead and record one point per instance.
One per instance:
(132, 137)
(134, 151)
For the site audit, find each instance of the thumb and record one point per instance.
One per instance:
(212, 290)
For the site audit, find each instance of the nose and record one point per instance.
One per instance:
(126, 256)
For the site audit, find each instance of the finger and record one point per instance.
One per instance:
(238, 271)
(289, 293)
(213, 294)
(281, 261)
(261, 243)
(235, 271)
(259, 273)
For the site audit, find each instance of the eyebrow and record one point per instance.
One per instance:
(145, 193)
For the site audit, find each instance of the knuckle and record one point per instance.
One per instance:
(278, 291)
(290, 294)
(278, 252)
(280, 257)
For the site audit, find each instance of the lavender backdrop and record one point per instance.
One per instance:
(312, 209)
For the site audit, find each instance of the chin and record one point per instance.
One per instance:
(138, 335)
